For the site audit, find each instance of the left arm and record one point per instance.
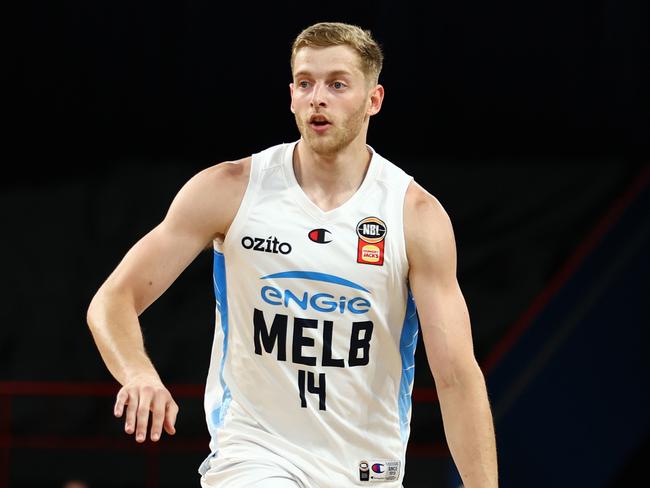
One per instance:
(447, 336)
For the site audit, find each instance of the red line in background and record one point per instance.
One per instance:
(153, 450)
(433, 450)
(104, 442)
(606, 222)
(67, 388)
(5, 432)
(153, 466)
(425, 395)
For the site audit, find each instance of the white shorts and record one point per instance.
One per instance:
(253, 473)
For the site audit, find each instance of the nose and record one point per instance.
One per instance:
(318, 96)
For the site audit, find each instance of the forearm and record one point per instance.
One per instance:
(115, 327)
(469, 429)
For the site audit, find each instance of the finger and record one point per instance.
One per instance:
(120, 401)
(131, 409)
(170, 417)
(144, 404)
(157, 416)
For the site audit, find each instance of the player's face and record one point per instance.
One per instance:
(331, 97)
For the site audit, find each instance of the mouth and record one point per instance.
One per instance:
(319, 123)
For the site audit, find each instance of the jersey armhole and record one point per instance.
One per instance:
(402, 244)
(247, 200)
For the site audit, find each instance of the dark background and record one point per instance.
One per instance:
(529, 122)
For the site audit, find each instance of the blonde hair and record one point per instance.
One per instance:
(326, 34)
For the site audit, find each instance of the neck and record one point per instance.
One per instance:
(330, 178)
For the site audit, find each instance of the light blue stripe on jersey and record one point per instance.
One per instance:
(407, 343)
(221, 296)
(315, 276)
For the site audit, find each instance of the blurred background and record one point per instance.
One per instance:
(529, 122)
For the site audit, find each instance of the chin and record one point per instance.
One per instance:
(325, 145)
(322, 146)
(328, 148)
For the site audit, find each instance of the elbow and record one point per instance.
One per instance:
(92, 311)
(97, 306)
(447, 379)
(457, 374)
(107, 302)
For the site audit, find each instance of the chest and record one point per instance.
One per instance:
(361, 244)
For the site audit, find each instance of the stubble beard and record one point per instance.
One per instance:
(338, 136)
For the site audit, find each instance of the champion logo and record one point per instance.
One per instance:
(321, 236)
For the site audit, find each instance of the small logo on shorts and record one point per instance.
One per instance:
(364, 471)
(379, 470)
(370, 248)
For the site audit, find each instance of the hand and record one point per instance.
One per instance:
(142, 396)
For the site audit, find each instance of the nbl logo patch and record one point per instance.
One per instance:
(370, 248)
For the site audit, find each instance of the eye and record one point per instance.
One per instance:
(338, 85)
(303, 84)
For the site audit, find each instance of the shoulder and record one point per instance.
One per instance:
(420, 207)
(428, 230)
(212, 196)
(227, 172)
(220, 181)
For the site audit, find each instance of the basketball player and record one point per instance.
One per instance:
(321, 249)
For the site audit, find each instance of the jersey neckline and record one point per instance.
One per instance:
(306, 203)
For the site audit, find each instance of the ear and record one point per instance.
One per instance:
(293, 111)
(376, 99)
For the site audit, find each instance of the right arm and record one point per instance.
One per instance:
(201, 211)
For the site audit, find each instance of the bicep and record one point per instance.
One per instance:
(444, 318)
(197, 214)
(446, 330)
(153, 263)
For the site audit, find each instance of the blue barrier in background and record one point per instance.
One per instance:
(571, 399)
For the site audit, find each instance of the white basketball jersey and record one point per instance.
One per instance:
(316, 329)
